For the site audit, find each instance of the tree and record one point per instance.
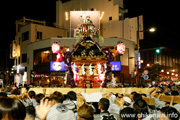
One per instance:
(154, 72)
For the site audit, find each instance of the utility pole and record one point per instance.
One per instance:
(137, 61)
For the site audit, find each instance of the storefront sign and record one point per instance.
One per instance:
(79, 17)
(57, 66)
(116, 65)
(41, 75)
(15, 49)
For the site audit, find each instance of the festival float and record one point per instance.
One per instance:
(88, 64)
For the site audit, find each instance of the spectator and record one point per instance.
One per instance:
(174, 91)
(11, 109)
(128, 113)
(169, 113)
(39, 97)
(127, 102)
(133, 93)
(85, 112)
(15, 92)
(32, 94)
(166, 91)
(141, 108)
(58, 110)
(158, 104)
(114, 108)
(30, 113)
(71, 102)
(31, 100)
(3, 94)
(137, 97)
(103, 106)
(159, 90)
(27, 88)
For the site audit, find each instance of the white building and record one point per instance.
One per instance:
(113, 27)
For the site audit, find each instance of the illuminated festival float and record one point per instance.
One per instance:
(87, 63)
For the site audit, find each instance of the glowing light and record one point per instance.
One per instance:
(47, 51)
(158, 51)
(142, 61)
(168, 73)
(162, 70)
(152, 29)
(66, 16)
(135, 73)
(148, 65)
(120, 48)
(56, 48)
(102, 14)
(173, 70)
(176, 75)
(172, 73)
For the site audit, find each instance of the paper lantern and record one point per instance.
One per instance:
(56, 48)
(120, 48)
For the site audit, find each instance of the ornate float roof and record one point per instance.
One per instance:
(88, 49)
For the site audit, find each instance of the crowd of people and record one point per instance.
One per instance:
(15, 105)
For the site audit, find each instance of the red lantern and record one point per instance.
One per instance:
(120, 48)
(56, 48)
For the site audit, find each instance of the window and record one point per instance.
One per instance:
(59, 36)
(42, 56)
(39, 35)
(25, 36)
(24, 58)
(110, 18)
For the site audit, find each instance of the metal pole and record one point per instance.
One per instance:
(137, 67)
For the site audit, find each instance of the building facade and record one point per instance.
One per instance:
(112, 21)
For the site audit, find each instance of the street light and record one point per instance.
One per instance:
(137, 67)
(162, 70)
(153, 29)
(148, 65)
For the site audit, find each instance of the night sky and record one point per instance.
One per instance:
(162, 14)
